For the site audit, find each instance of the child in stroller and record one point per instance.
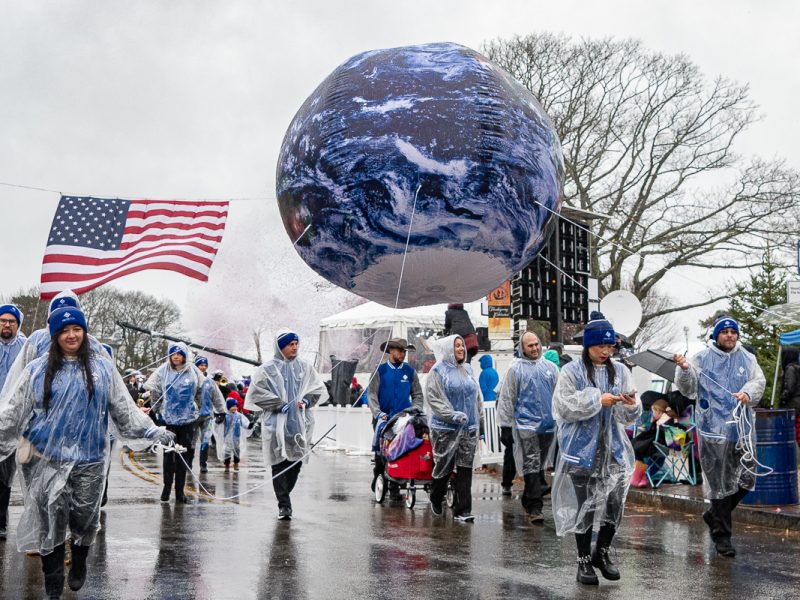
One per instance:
(404, 442)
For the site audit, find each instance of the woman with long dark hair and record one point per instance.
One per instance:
(57, 412)
(593, 400)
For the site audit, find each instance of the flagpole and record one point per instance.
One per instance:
(158, 334)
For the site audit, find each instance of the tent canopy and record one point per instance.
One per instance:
(790, 338)
(372, 314)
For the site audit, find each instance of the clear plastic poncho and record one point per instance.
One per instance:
(595, 460)
(176, 394)
(63, 452)
(525, 404)
(450, 390)
(231, 435)
(8, 354)
(712, 377)
(276, 388)
(37, 344)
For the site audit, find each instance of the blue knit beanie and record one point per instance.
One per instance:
(286, 339)
(61, 317)
(200, 360)
(724, 322)
(231, 402)
(12, 309)
(63, 300)
(177, 350)
(598, 331)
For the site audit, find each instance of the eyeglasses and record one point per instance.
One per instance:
(8, 321)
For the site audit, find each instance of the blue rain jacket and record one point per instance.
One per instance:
(488, 379)
(394, 390)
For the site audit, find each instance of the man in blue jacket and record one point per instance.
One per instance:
(394, 388)
(11, 341)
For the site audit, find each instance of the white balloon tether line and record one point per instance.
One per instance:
(399, 286)
(179, 453)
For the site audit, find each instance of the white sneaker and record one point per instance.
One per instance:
(467, 518)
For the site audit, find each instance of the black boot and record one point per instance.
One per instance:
(53, 569)
(586, 574)
(601, 558)
(77, 570)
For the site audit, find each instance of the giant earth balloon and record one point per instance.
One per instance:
(436, 133)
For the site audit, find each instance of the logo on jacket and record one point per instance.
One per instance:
(741, 370)
(405, 377)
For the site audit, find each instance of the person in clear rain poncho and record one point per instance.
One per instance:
(456, 420)
(593, 401)
(55, 416)
(11, 342)
(726, 380)
(38, 342)
(176, 393)
(525, 405)
(212, 404)
(231, 434)
(285, 388)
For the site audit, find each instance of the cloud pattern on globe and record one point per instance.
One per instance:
(437, 134)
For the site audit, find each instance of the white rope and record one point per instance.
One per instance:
(744, 428)
(260, 485)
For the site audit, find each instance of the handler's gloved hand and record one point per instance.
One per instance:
(163, 436)
(219, 418)
(459, 418)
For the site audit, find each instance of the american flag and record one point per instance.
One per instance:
(95, 240)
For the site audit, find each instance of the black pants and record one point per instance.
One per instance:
(535, 482)
(174, 467)
(721, 511)
(509, 466)
(462, 484)
(204, 456)
(582, 482)
(284, 484)
(7, 469)
(228, 459)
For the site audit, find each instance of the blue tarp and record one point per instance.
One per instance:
(791, 338)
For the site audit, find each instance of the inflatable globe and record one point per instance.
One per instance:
(427, 162)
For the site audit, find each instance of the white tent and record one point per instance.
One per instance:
(373, 315)
(358, 333)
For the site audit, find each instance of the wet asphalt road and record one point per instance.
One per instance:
(341, 544)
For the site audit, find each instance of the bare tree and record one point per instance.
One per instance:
(649, 141)
(103, 307)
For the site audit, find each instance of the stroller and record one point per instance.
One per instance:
(404, 443)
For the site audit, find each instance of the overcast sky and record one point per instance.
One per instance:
(190, 99)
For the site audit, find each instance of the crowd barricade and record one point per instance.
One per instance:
(353, 432)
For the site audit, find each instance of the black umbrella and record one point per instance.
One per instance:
(655, 361)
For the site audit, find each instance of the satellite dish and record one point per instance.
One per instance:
(623, 310)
